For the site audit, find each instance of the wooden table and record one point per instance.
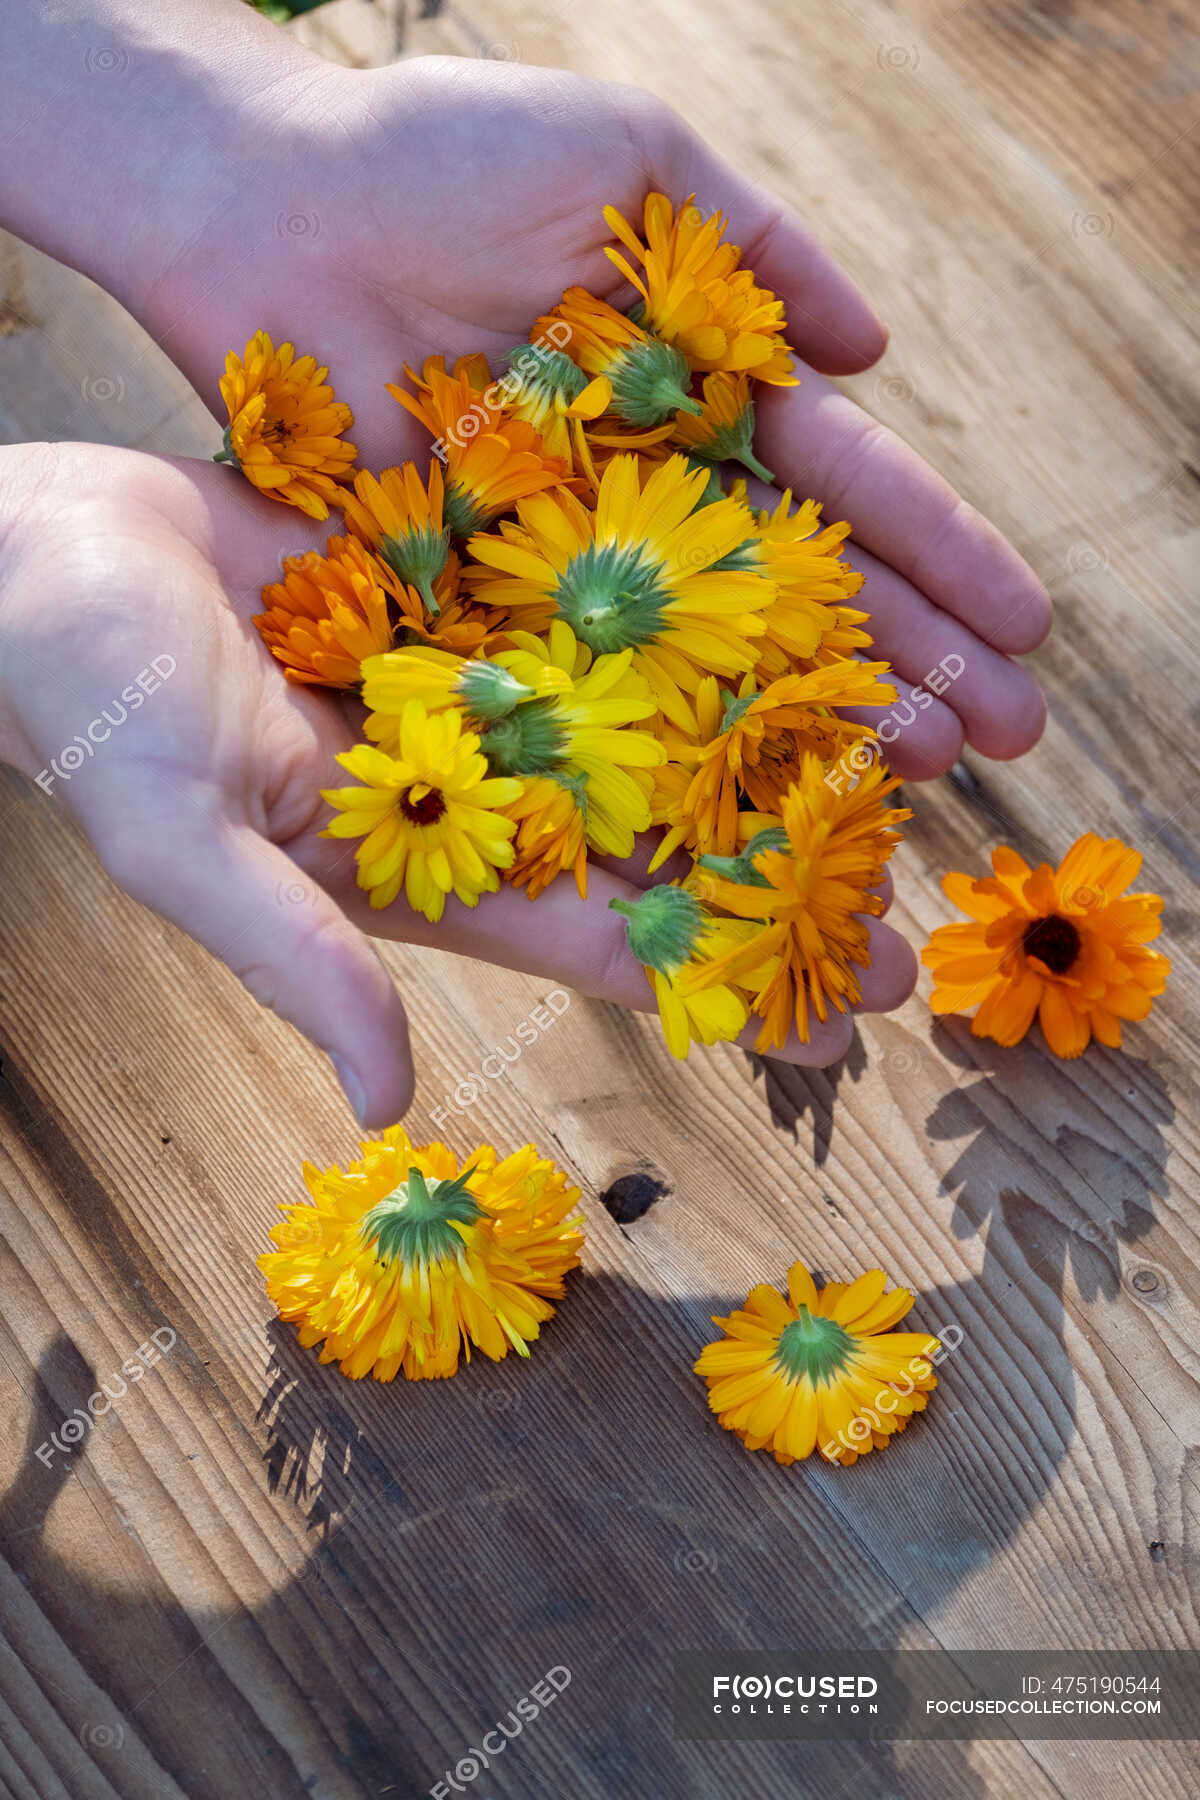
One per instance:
(256, 1579)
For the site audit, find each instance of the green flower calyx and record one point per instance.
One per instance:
(663, 927)
(415, 1222)
(742, 868)
(812, 1346)
(463, 513)
(527, 741)
(543, 376)
(650, 381)
(734, 443)
(736, 708)
(489, 691)
(612, 598)
(228, 454)
(418, 558)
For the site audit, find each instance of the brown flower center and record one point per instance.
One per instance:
(1054, 941)
(423, 806)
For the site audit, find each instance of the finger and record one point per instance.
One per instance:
(830, 322)
(821, 444)
(892, 974)
(993, 700)
(582, 944)
(285, 939)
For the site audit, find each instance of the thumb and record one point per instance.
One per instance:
(294, 949)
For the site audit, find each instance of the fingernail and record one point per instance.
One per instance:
(352, 1087)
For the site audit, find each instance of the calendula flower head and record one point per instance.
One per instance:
(544, 710)
(400, 516)
(332, 611)
(821, 1369)
(807, 883)
(545, 388)
(750, 750)
(724, 429)
(809, 620)
(1067, 945)
(643, 572)
(285, 426)
(676, 939)
(696, 295)
(491, 460)
(430, 816)
(635, 376)
(405, 1261)
(327, 614)
(551, 817)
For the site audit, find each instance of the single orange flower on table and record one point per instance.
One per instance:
(1066, 945)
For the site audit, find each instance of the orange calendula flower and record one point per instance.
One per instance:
(285, 426)
(820, 1370)
(401, 518)
(551, 836)
(751, 746)
(696, 295)
(1067, 945)
(405, 1261)
(491, 460)
(808, 883)
(327, 614)
(331, 612)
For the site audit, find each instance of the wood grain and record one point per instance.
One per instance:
(255, 1578)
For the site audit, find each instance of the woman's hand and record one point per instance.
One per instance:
(136, 691)
(219, 178)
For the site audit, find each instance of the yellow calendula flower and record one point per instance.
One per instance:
(553, 716)
(550, 392)
(724, 429)
(644, 572)
(807, 883)
(821, 1369)
(430, 816)
(405, 1261)
(285, 426)
(491, 460)
(696, 295)
(546, 389)
(750, 748)
(677, 940)
(809, 620)
(1067, 945)
(635, 376)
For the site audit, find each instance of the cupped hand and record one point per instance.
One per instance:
(125, 575)
(439, 206)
